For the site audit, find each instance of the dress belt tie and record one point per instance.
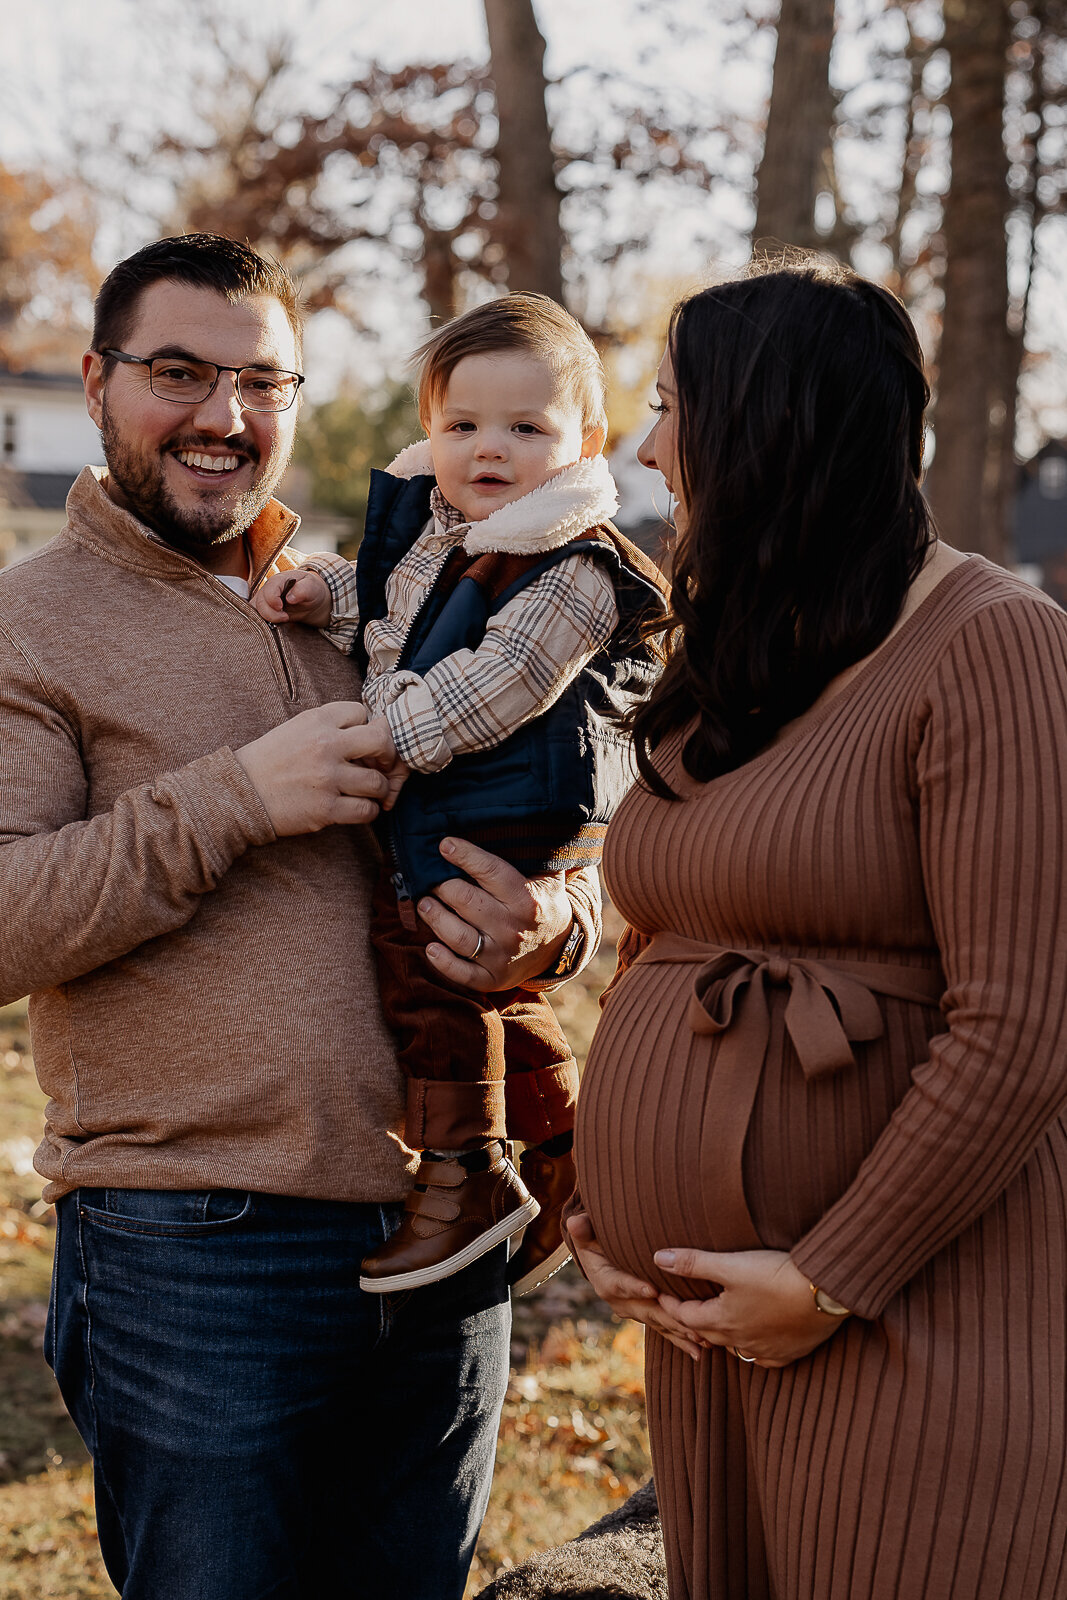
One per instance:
(830, 1005)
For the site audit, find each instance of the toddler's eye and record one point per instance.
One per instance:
(462, 427)
(526, 428)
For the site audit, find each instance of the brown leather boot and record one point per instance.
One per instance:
(544, 1249)
(451, 1217)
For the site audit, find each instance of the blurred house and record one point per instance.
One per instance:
(1040, 519)
(46, 438)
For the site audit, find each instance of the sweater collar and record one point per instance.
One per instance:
(95, 519)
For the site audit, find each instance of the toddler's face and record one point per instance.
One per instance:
(506, 423)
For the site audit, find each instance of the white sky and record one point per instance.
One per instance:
(51, 48)
(613, 32)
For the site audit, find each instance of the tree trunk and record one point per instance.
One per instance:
(795, 163)
(529, 226)
(970, 479)
(439, 268)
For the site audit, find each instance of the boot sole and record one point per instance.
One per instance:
(542, 1272)
(485, 1242)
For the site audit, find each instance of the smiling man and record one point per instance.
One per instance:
(185, 872)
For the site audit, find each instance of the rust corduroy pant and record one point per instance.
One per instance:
(478, 1066)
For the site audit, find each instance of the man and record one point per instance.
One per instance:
(186, 875)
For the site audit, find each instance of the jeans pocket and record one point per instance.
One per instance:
(166, 1213)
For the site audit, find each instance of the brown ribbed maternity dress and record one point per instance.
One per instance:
(902, 842)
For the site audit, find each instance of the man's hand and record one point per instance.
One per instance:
(310, 772)
(294, 597)
(765, 1308)
(626, 1295)
(523, 922)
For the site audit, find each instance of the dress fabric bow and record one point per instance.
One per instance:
(829, 1006)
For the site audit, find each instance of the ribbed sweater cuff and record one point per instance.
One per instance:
(222, 804)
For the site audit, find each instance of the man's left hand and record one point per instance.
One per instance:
(523, 922)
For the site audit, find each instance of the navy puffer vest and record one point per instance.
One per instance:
(543, 797)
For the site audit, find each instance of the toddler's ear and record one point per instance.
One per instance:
(593, 443)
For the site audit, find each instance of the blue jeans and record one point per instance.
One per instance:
(260, 1428)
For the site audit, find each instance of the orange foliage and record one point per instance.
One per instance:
(47, 275)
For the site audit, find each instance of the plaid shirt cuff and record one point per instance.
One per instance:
(339, 576)
(414, 722)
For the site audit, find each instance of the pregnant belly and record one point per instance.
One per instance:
(643, 1126)
(663, 1158)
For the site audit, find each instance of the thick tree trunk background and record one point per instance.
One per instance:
(529, 225)
(969, 485)
(795, 163)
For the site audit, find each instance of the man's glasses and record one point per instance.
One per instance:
(187, 382)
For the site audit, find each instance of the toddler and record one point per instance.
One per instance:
(498, 617)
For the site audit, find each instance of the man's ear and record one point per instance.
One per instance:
(93, 382)
(593, 442)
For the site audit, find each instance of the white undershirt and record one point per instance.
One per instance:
(238, 585)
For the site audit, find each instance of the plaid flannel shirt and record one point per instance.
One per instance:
(473, 699)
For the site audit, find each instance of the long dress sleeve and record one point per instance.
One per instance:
(991, 782)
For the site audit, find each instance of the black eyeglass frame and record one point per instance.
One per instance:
(149, 361)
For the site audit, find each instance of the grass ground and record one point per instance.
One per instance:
(572, 1437)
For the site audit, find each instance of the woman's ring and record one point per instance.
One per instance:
(479, 947)
(740, 1354)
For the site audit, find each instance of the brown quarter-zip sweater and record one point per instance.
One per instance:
(204, 1002)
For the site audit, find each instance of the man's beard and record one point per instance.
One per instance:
(192, 529)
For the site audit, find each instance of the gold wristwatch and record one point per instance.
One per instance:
(567, 959)
(826, 1304)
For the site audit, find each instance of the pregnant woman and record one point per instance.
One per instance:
(820, 1140)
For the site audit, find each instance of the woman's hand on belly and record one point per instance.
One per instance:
(766, 1308)
(626, 1295)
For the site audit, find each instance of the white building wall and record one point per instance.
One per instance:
(51, 432)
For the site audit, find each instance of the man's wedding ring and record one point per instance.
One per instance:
(479, 947)
(739, 1354)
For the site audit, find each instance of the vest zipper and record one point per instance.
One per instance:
(387, 834)
(423, 603)
(405, 906)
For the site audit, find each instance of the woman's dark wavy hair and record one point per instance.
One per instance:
(801, 395)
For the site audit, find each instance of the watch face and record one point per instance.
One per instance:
(832, 1308)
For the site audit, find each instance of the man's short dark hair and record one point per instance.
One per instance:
(201, 260)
